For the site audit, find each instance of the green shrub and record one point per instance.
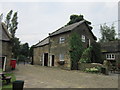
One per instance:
(76, 50)
(86, 56)
(93, 70)
(8, 86)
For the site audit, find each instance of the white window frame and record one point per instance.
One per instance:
(83, 38)
(62, 40)
(110, 56)
(61, 57)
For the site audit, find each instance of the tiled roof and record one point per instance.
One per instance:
(43, 42)
(4, 34)
(66, 28)
(61, 30)
(112, 46)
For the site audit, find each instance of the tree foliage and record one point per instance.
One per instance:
(76, 50)
(11, 23)
(16, 47)
(92, 54)
(76, 18)
(107, 33)
(31, 51)
(96, 53)
(24, 49)
(8, 18)
(86, 55)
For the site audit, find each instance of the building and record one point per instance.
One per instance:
(5, 48)
(55, 48)
(41, 51)
(111, 51)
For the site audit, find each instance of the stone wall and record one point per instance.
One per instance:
(83, 66)
(7, 52)
(36, 57)
(38, 54)
(83, 30)
(57, 48)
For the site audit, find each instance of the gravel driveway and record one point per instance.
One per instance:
(36, 76)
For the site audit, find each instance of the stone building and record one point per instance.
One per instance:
(41, 51)
(111, 51)
(55, 48)
(5, 48)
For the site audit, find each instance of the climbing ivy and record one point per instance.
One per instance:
(86, 56)
(76, 50)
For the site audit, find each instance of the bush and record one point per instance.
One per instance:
(76, 50)
(93, 69)
(96, 53)
(86, 56)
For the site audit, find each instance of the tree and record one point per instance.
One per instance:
(96, 53)
(107, 33)
(11, 23)
(31, 51)
(16, 47)
(92, 54)
(76, 50)
(25, 50)
(8, 17)
(86, 55)
(76, 18)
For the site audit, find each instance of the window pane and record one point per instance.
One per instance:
(107, 56)
(110, 56)
(61, 57)
(113, 56)
(83, 38)
(62, 39)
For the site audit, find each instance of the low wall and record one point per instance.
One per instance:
(83, 66)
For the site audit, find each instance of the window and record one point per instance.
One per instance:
(110, 56)
(61, 57)
(113, 56)
(83, 38)
(62, 40)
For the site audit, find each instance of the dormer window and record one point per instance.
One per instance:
(62, 40)
(83, 38)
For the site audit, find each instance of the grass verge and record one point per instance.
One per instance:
(8, 86)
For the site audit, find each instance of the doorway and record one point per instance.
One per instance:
(2, 62)
(45, 59)
(53, 57)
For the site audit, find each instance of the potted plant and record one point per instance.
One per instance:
(61, 62)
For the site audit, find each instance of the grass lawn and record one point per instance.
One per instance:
(9, 86)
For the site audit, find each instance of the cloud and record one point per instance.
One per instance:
(37, 19)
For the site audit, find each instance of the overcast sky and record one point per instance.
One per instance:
(37, 19)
